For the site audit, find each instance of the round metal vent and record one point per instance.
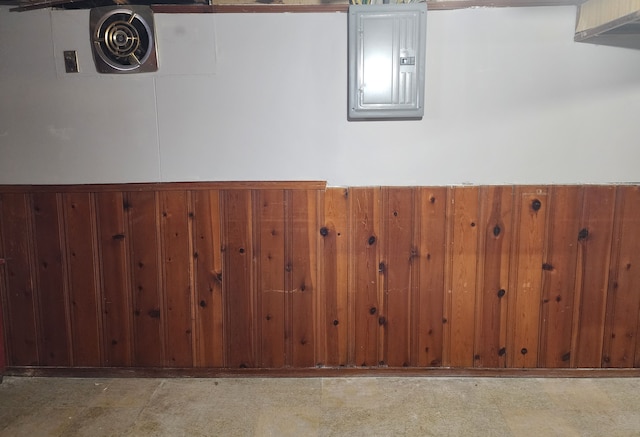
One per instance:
(123, 39)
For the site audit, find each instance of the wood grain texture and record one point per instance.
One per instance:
(564, 236)
(492, 293)
(165, 186)
(594, 254)
(526, 276)
(142, 212)
(3, 357)
(238, 285)
(623, 306)
(333, 280)
(281, 279)
(116, 288)
(207, 271)
(366, 305)
(432, 206)
(462, 296)
(401, 256)
(270, 257)
(303, 262)
(55, 331)
(83, 275)
(176, 282)
(324, 372)
(231, 7)
(18, 300)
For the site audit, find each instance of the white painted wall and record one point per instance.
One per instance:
(510, 99)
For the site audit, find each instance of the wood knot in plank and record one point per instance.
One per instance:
(536, 205)
(496, 231)
(583, 234)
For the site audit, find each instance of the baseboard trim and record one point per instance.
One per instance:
(129, 372)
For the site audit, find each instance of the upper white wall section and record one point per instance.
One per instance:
(510, 98)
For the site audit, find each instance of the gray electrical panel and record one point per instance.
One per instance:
(387, 61)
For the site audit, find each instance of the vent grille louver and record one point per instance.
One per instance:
(123, 39)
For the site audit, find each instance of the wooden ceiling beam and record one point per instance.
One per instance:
(436, 5)
(233, 7)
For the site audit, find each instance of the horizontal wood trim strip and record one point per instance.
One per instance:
(167, 186)
(270, 8)
(321, 372)
(248, 8)
(328, 8)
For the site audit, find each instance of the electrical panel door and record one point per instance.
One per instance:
(387, 60)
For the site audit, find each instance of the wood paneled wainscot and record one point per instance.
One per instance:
(295, 278)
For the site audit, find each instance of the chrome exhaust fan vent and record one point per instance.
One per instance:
(123, 40)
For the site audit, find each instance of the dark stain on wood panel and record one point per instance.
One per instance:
(433, 206)
(83, 273)
(364, 274)
(464, 250)
(493, 275)
(303, 262)
(116, 290)
(593, 276)
(564, 236)
(141, 209)
(55, 330)
(238, 286)
(623, 307)
(208, 278)
(526, 276)
(270, 257)
(19, 301)
(333, 278)
(401, 254)
(176, 284)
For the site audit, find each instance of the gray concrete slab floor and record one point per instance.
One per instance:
(360, 406)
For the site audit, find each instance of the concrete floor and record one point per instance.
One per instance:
(385, 406)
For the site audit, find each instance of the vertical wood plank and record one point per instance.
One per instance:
(116, 290)
(565, 207)
(55, 347)
(176, 268)
(320, 327)
(84, 287)
(333, 277)
(270, 255)
(463, 275)
(432, 248)
(526, 277)
(363, 274)
(400, 255)
(208, 278)
(623, 308)
(493, 276)
(4, 296)
(18, 299)
(304, 276)
(3, 356)
(3, 293)
(238, 285)
(593, 276)
(142, 213)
